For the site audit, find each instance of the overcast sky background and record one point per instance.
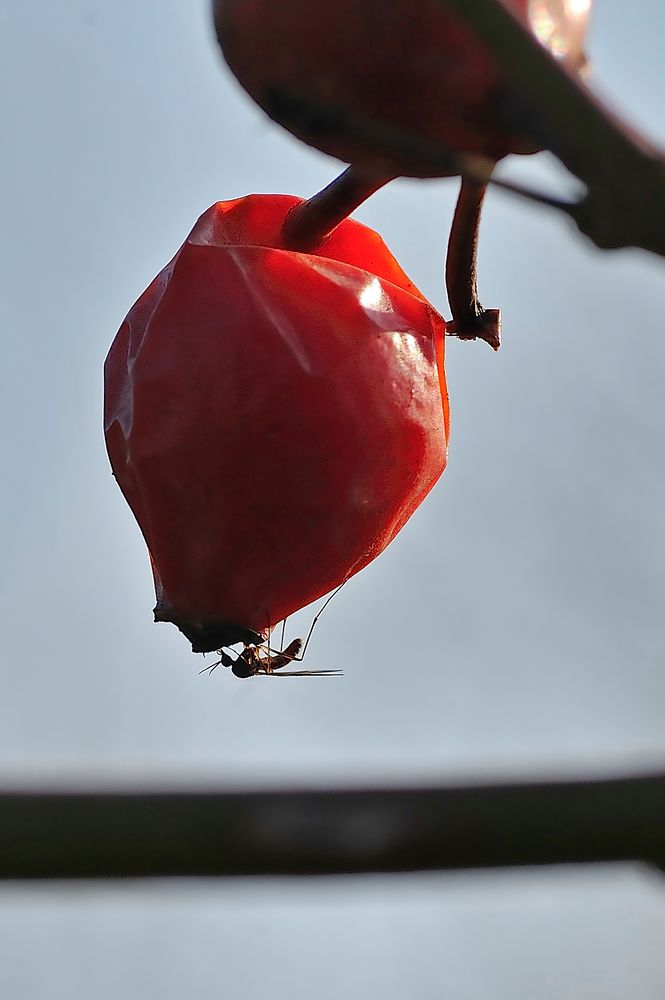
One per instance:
(515, 627)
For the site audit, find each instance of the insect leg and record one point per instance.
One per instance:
(316, 618)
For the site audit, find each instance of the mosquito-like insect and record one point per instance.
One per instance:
(261, 659)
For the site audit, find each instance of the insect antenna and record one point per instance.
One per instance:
(224, 659)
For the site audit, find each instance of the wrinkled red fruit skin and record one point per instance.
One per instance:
(273, 418)
(405, 63)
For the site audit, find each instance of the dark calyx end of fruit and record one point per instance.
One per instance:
(208, 635)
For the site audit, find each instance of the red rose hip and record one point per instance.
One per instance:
(273, 418)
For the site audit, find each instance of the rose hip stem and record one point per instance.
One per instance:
(308, 224)
(469, 320)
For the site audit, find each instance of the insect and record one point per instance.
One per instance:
(255, 660)
(261, 659)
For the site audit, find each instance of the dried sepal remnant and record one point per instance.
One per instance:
(273, 418)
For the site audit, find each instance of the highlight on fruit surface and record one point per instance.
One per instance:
(409, 65)
(273, 418)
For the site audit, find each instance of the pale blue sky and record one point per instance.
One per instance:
(514, 627)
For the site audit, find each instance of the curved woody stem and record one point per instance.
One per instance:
(470, 320)
(308, 224)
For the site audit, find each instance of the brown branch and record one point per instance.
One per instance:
(624, 171)
(308, 224)
(132, 835)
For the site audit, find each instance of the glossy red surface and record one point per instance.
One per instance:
(273, 418)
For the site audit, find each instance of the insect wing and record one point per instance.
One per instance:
(306, 673)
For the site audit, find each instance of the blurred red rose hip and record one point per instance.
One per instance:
(273, 418)
(407, 64)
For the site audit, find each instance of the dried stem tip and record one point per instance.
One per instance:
(470, 320)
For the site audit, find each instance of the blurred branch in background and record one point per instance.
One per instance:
(134, 835)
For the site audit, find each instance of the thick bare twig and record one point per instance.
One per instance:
(131, 835)
(624, 172)
(309, 223)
